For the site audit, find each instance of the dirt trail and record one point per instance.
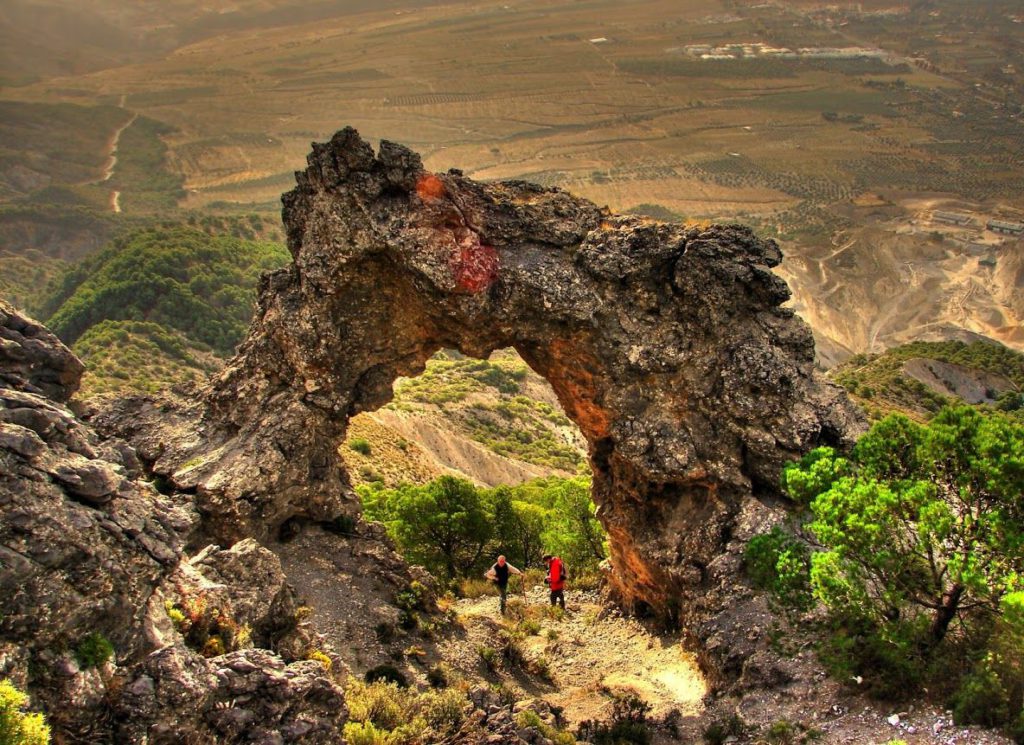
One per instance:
(111, 164)
(591, 653)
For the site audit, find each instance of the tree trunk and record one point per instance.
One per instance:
(945, 615)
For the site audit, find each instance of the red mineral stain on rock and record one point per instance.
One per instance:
(429, 187)
(475, 265)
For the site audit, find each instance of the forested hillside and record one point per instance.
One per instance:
(159, 305)
(921, 377)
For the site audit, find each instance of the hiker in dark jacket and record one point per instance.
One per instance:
(499, 574)
(556, 579)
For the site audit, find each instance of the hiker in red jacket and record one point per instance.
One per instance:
(556, 579)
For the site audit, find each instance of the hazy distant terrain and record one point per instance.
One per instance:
(841, 132)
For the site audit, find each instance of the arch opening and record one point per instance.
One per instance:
(494, 421)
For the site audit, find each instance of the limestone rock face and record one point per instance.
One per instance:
(667, 344)
(82, 545)
(249, 696)
(88, 547)
(32, 359)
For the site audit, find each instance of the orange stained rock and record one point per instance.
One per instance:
(429, 187)
(570, 374)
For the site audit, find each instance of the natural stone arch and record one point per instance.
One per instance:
(666, 344)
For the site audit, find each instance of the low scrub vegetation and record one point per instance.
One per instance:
(126, 356)
(18, 727)
(386, 713)
(628, 724)
(207, 629)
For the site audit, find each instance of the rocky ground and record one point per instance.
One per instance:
(586, 656)
(593, 652)
(571, 666)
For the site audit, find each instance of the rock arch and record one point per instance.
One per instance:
(667, 344)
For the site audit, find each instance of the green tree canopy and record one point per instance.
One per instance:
(179, 277)
(920, 519)
(455, 529)
(444, 525)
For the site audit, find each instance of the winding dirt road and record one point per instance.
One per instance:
(111, 164)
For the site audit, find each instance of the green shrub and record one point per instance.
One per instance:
(176, 615)
(93, 651)
(628, 725)
(529, 719)
(364, 733)
(410, 602)
(780, 732)
(323, 659)
(556, 613)
(778, 562)
(529, 626)
(16, 726)
(444, 711)
(719, 731)
(490, 656)
(360, 445)
(982, 698)
(380, 703)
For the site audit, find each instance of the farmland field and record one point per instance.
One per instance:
(608, 100)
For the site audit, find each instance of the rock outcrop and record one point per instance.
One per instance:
(668, 345)
(90, 552)
(33, 360)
